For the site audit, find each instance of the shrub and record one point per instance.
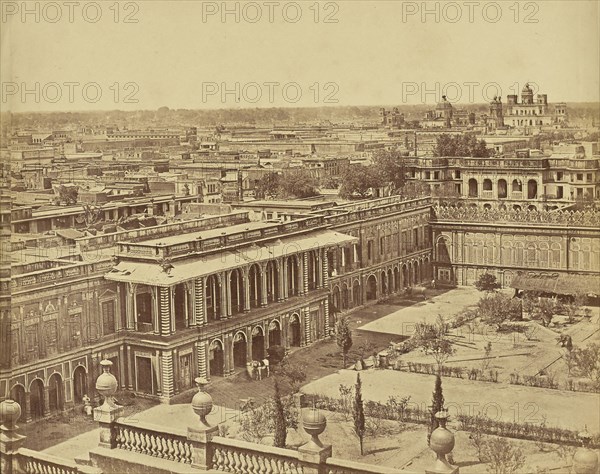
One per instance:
(503, 457)
(276, 354)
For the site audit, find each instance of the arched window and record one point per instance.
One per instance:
(487, 184)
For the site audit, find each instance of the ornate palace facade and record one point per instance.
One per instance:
(469, 241)
(201, 297)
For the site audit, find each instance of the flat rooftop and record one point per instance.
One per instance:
(210, 233)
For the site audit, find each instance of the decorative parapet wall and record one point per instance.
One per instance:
(590, 218)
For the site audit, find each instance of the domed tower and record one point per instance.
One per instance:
(444, 110)
(527, 95)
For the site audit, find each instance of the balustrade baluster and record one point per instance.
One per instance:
(254, 462)
(231, 459)
(153, 447)
(161, 447)
(136, 441)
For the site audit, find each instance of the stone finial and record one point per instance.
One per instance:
(314, 423)
(314, 452)
(441, 443)
(585, 460)
(202, 403)
(10, 412)
(106, 384)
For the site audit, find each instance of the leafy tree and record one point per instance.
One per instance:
(343, 336)
(259, 422)
(280, 425)
(460, 145)
(389, 166)
(267, 186)
(294, 374)
(497, 309)
(432, 340)
(503, 457)
(68, 194)
(415, 189)
(358, 181)
(530, 299)
(358, 413)
(587, 362)
(487, 282)
(572, 308)
(297, 184)
(437, 404)
(544, 310)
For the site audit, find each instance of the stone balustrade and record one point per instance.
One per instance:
(229, 455)
(156, 441)
(33, 462)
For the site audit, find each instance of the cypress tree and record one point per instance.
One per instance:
(280, 422)
(358, 414)
(437, 404)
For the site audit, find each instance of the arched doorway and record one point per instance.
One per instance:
(473, 191)
(405, 279)
(295, 334)
(345, 297)
(272, 281)
(216, 359)
(336, 304)
(239, 349)
(17, 393)
(36, 398)
(371, 288)
(274, 333)
(292, 275)
(384, 283)
(390, 281)
(258, 343)
(79, 384)
(532, 189)
(396, 279)
(213, 299)
(236, 290)
(418, 277)
(356, 293)
(502, 189)
(254, 278)
(180, 303)
(55, 393)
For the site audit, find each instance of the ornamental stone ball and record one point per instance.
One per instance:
(10, 412)
(202, 403)
(106, 383)
(585, 460)
(314, 423)
(442, 440)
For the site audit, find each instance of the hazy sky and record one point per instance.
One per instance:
(186, 54)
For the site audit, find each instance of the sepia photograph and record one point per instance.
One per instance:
(300, 237)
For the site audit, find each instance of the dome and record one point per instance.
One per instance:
(10, 412)
(444, 104)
